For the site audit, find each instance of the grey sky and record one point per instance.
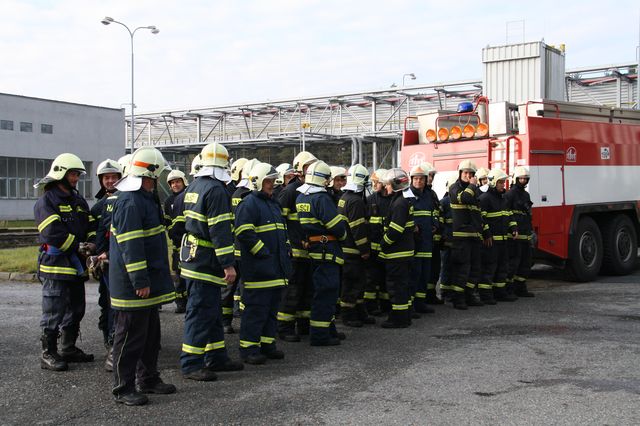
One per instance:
(221, 52)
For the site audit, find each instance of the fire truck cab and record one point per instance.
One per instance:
(584, 163)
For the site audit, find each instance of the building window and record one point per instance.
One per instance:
(46, 128)
(26, 127)
(18, 175)
(6, 124)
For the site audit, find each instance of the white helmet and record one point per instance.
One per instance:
(124, 162)
(482, 173)
(236, 168)
(214, 155)
(283, 170)
(521, 172)
(467, 165)
(337, 172)
(318, 174)
(248, 165)
(59, 168)
(378, 175)
(108, 166)
(417, 171)
(495, 175)
(397, 178)
(260, 172)
(147, 162)
(177, 174)
(428, 168)
(196, 165)
(304, 158)
(358, 175)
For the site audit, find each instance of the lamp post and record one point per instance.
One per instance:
(108, 20)
(410, 75)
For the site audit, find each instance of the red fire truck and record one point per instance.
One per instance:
(584, 163)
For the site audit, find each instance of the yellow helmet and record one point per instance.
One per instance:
(214, 155)
(378, 175)
(521, 172)
(358, 175)
(124, 162)
(495, 175)
(236, 168)
(467, 165)
(59, 168)
(397, 178)
(177, 174)
(196, 165)
(482, 173)
(108, 166)
(260, 172)
(147, 162)
(318, 174)
(304, 158)
(283, 170)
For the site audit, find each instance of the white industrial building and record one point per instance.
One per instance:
(34, 131)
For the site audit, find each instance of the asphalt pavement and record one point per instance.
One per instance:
(571, 355)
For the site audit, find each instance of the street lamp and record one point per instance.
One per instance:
(410, 75)
(108, 20)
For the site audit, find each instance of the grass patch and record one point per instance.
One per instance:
(21, 259)
(17, 224)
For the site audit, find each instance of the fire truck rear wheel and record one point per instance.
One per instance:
(620, 246)
(585, 252)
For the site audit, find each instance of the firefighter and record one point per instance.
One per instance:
(262, 239)
(207, 263)
(285, 173)
(495, 259)
(337, 182)
(64, 223)
(437, 223)
(232, 292)
(519, 203)
(375, 294)
(178, 183)
(483, 179)
(108, 172)
(397, 247)
(356, 248)
(139, 280)
(467, 237)
(295, 308)
(324, 228)
(176, 232)
(423, 207)
(446, 243)
(236, 175)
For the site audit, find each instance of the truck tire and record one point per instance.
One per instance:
(585, 252)
(620, 246)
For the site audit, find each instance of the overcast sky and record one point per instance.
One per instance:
(220, 52)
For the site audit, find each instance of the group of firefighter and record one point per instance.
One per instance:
(287, 248)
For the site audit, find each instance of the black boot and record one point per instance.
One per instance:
(287, 331)
(421, 307)
(472, 298)
(68, 349)
(181, 305)
(486, 296)
(432, 298)
(501, 295)
(373, 308)
(397, 319)
(302, 326)
(511, 290)
(226, 324)
(350, 317)
(363, 315)
(521, 289)
(458, 301)
(50, 358)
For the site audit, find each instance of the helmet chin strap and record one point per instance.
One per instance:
(65, 183)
